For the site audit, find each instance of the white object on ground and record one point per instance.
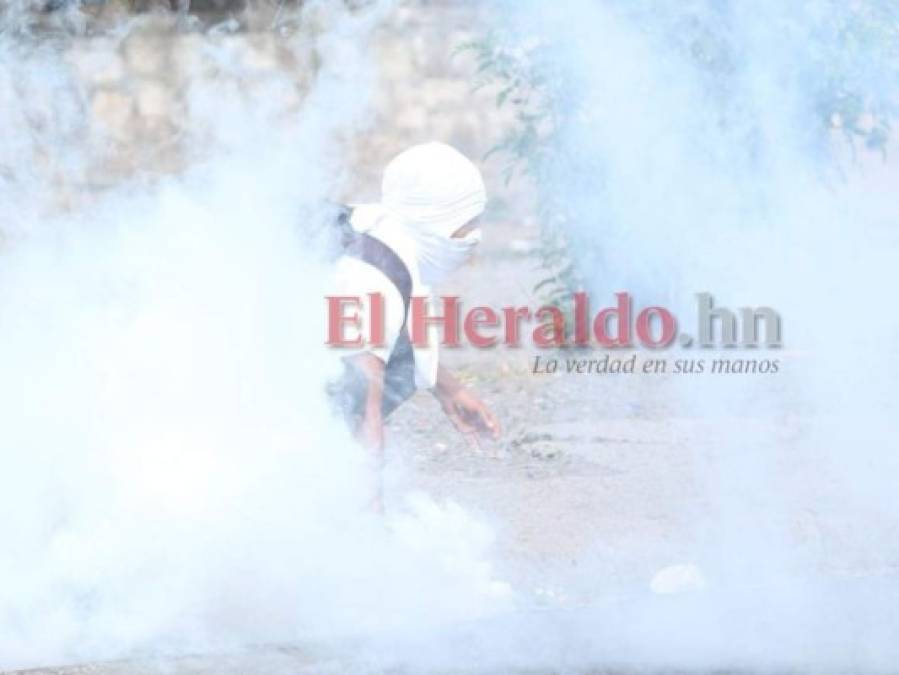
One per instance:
(677, 579)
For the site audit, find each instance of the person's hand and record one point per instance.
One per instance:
(470, 416)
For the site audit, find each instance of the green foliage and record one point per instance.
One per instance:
(846, 58)
(526, 82)
(869, 40)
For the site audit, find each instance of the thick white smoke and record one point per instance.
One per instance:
(171, 476)
(699, 146)
(172, 481)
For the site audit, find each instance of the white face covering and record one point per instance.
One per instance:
(438, 255)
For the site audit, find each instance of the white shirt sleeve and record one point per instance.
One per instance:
(356, 278)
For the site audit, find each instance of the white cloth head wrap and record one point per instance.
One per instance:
(434, 186)
(434, 190)
(428, 192)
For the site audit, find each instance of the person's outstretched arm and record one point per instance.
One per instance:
(466, 411)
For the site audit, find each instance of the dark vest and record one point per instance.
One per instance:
(399, 373)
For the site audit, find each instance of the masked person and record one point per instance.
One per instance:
(422, 230)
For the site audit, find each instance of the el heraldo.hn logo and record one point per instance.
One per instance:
(355, 321)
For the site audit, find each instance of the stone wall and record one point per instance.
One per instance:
(137, 90)
(428, 86)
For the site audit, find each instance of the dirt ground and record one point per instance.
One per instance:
(588, 466)
(621, 474)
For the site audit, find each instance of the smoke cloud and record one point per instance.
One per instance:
(172, 480)
(172, 477)
(739, 149)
